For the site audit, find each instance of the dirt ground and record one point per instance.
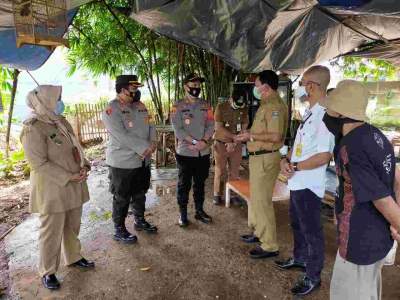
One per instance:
(200, 262)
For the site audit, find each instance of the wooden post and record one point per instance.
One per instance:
(11, 109)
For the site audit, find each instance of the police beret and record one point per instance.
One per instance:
(127, 79)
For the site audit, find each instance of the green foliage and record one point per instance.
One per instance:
(367, 69)
(15, 161)
(99, 44)
(6, 76)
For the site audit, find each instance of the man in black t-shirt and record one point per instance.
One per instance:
(365, 207)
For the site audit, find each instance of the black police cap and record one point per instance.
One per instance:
(127, 79)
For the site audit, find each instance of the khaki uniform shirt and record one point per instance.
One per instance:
(233, 120)
(271, 117)
(50, 155)
(130, 133)
(193, 119)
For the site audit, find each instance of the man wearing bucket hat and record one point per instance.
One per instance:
(193, 122)
(265, 138)
(365, 206)
(231, 118)
(132, 140)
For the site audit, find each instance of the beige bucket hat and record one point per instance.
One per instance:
(350, 99)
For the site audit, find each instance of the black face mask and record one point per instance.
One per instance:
(238, 102)
(195, 92)
(135, 96)
(335, 125)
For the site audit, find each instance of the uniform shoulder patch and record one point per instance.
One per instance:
(109, 110)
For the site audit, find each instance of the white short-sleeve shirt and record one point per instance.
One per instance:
(312, 138)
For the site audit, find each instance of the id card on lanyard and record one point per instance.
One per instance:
(299, 147)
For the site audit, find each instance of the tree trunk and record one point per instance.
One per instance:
(11, 109)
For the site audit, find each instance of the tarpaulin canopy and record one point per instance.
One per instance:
(28, 57)
(283, 35)
(251, 35)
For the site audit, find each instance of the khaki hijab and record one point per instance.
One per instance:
(43, 101)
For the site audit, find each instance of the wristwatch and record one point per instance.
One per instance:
(194, 142)
(295, 166)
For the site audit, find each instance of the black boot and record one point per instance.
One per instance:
(51, 282)
(202, 216)
(183, 219)
(217, 200)
(142, 224)
(123, 235)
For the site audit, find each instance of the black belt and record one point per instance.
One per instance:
(262, 152)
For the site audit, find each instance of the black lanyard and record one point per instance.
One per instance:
(303, 122)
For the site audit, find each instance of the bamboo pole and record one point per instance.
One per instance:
(11, 109)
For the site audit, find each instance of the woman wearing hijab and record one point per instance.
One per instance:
(58, 182)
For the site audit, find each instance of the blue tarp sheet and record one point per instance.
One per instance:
(28, 57)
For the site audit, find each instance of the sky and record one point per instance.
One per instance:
(78, 88)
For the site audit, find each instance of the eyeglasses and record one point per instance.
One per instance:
(301, 83)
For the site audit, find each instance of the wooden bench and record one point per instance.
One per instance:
(242, 188)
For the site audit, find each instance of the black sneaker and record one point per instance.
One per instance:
(51, 282)
(203, 217)
(124, 236)
(290, 264)
(183, 221)
(305, 286)
(217, 200)
(142, 224)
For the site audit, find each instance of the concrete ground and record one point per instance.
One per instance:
(200, 262)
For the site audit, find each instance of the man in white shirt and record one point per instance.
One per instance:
(305, 167)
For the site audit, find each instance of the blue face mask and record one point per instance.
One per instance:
(59, 108)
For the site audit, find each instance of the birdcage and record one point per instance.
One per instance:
(40, 22)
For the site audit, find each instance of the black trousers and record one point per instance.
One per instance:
(188, 168)
(308, 235)
(128, 185)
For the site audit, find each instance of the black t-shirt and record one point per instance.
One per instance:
(365, 164)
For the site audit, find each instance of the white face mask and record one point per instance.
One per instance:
(256, 93)
(301, 93)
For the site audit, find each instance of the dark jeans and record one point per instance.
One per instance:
(305, 215)
(128, 186)
(196, 168)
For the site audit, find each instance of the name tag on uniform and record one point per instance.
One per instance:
(130, 124)
(239, 127)
(298, 150)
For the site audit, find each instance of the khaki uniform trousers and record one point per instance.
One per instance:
(264, 171)
(222, 159)
(59, 232)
